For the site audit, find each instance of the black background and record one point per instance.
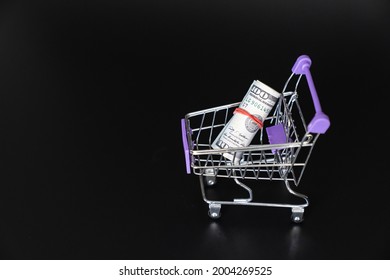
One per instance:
(91, 97)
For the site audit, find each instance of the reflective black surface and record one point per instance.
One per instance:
(91, 97)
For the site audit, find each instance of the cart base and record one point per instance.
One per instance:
(214, 212)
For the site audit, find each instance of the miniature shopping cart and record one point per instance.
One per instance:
(280, 151)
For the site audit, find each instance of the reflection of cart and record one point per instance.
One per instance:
(280, 152)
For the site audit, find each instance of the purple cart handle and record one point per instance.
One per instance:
(185, 146)
(320, 122)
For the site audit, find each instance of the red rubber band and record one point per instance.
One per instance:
(246, 113)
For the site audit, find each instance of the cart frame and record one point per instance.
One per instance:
(279, 153)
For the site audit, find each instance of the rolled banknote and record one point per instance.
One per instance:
(248, 118)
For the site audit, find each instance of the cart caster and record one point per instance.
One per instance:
(297, 214)
(209, 177)
(214, 210)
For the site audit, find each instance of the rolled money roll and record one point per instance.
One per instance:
(248, 118)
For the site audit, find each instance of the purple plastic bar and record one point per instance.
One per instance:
(185, 146)
(276, 135)
(320, 122)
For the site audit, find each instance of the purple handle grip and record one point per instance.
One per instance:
(320, 122)
(185, 146)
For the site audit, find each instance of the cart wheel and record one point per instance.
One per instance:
(297, 214)
(209, 177)
(210, 180)
(214, 210)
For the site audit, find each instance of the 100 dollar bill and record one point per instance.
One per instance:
(248, 118)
